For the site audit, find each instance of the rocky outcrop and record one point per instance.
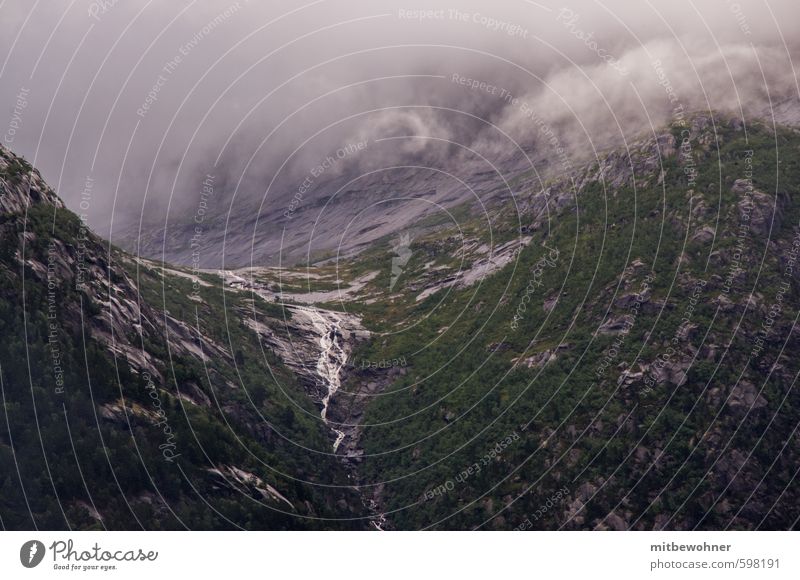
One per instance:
(540, 359)
(762, 211)
(479, 261)
(744, 397)
(22, 186)
(313, 342)
(249, 484)
(639, 165)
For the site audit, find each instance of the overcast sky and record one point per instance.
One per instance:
(248, 90)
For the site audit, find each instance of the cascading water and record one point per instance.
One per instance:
(332, 359)
(329, 333)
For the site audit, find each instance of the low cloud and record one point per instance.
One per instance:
(147, 98)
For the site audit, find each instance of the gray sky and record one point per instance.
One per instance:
(264, 85)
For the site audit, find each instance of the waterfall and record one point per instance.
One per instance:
(332, 359)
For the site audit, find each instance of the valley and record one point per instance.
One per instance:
(609, 354)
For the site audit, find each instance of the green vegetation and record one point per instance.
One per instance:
(585, 425)
(67, 446)
(499, 409)
(15, 170)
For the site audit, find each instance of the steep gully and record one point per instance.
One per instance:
(332, 358)
(322, 340)
(328, 328)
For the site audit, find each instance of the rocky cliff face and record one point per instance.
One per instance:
(316, 344)
(342, 215)
(86, 263)
(22, 186)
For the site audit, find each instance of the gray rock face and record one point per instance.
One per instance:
(86, 264)
(762, 211)
(485, 262)
(616, 325)
(315, 343)
(786, 112)
(703, 235)
(346, 214)
(744, 396)
(22, 186)
(341, 216)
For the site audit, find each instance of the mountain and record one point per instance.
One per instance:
(631, 369)
(324, 216)
(607, 349)
(611, 351)
(136, 397)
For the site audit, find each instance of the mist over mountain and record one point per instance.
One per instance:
(150, 100)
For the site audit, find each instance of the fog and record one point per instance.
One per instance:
(143, 99)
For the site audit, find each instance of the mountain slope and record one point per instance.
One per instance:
(125, 405)
(634, 368)
(613, 349)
